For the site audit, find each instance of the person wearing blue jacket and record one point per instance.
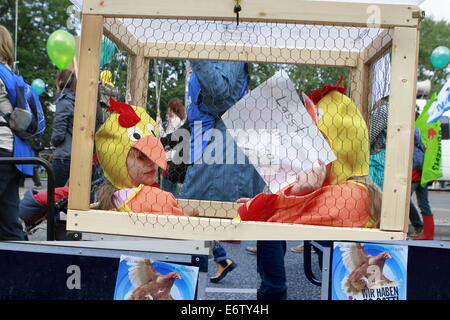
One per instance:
(61, 138)
(215, 87)
(16, 118)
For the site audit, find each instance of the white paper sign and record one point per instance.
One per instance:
(276, 133)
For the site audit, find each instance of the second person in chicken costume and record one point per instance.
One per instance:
(339, 194)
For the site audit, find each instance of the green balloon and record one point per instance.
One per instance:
(61, 48)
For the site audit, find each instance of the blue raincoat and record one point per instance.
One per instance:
(217, 172)
(21, 147)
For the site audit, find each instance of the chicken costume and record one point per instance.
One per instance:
(131, 127)
(339, 202)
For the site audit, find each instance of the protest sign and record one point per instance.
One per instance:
(143, 279)
(369, 271)
(274, 130)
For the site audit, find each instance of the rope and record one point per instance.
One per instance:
(237, 9)
(16, 28)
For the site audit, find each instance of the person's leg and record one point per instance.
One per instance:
(219, 252)
(169, 186)
(224, 264)
(61, 169)
(427, 215)
(423, 201)
(10, 226)
(271, 269)
(414, 215)
(36, 179)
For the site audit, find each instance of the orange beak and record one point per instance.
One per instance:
(153, 149)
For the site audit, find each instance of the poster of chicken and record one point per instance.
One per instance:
(144, 279)
(369, 271)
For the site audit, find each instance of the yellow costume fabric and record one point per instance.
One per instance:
(347, 134)
(113, 142)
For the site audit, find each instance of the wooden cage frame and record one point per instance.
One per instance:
(402, 21)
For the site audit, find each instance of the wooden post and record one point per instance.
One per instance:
(137, 81)
(85, 107)
(402, 102)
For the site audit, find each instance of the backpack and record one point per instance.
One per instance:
(27, 118)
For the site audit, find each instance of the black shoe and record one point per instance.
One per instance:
(223, 268)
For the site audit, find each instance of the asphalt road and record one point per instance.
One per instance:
(242, 282)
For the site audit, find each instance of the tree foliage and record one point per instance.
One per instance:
(433, 34)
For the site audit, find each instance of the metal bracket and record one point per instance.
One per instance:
(418, 15)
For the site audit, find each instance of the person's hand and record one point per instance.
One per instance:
(309, 180)
(190, 211)
(243, 200)
(159, 122)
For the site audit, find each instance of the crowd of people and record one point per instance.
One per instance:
(148, 148)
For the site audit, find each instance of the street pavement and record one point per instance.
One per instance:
(440, 206)
(242, 282)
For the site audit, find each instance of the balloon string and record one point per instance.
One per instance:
(17, 23)
(15, 63)
(67, 81)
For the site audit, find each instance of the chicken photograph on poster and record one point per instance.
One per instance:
(144, 279)
(369, 271)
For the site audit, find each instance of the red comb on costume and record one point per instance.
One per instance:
(128, 117)
(317, 95)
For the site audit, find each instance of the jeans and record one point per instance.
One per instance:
(61, 169)
(219, 252)
(169, 186)
(36, 178)
(271, 269)
(10, 227)
(422, 201)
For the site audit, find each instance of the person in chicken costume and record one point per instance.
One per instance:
(130, 153)
(339, 194)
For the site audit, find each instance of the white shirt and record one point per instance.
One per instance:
(173, 124)
(6, 135)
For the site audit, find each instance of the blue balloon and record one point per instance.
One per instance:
(39, 86)
(440, 57)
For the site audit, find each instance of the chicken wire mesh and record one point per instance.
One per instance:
(287, 133)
